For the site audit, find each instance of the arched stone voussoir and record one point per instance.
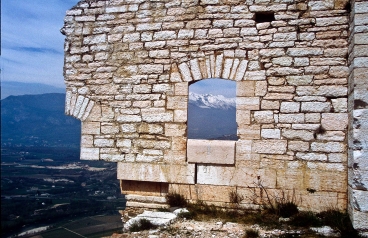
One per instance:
(215, 65)
(78, 106)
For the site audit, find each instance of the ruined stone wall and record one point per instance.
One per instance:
(358, 115)
(128, 65)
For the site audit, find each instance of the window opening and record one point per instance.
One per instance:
(212, 110)
(264, 17)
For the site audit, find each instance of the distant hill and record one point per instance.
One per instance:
(211, 117)
(38, 120)
(11, 88)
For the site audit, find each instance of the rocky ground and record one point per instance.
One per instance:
(180, 227)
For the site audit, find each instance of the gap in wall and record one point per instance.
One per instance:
(212, 110)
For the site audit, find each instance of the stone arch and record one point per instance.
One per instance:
(229, 64)
(78, 106)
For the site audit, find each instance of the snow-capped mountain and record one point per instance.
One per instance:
(212, 101)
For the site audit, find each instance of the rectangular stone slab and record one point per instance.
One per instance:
(156, 172)
(211, 151)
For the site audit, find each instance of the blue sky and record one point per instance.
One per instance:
(32, 47)
(214, 86)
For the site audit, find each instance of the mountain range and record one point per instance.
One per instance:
(211, 117)
(12, 88)
(39, 120)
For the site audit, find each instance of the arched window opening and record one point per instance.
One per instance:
(212, 110)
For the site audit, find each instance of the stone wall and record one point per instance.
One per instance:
(128, 65)
(358, 115)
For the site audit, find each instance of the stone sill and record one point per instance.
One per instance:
(211, 151)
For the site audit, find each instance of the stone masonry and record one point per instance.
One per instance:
(301, 70)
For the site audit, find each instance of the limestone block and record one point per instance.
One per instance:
(175, 156)
(260, 88)
(109, 128)
(298, 52)
(249, 131)
(180, 115)
(150, 128)
(328, 147)
(195, 69)
(156, 115)
(245, 88)
(270, 133)
(181, 89)
(299, 80)
(247, 103)
(268, 104)
(243, 117)
(95, 39)
(89, 153)
(327, 21)
(100, 142)
(337, 157)
(269, 146)
(211, 151)
(86, 140)
(255, 75)
(243, 148)
(326, 176)
(305, 126)
(172, 129)
(291, 118)
(185, 72)
(339, 71)
(328, 91)
(241, 175)
(301, 61)
(125, 143)
(298, 134)
(152, 144)
(290, 177)
(316, 107)
(156, 172)
(148, 26)
(129, 118)
(332, 136)
(264, 117)
(334, 121)
(290, 107)
(178, 143)
(150, 69)
(301, 146)
(311, 156)
(312, 117)
(241, 70)
(282, 61)
(196, 24)
(177, 102)
(290, 36)
(90, 127)
(339, 104)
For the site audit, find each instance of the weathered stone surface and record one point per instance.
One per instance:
(156, 172)
(301, 93)
(211, 151)
(269, 146)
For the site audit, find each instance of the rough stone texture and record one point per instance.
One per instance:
(301, 83)
(358, 114)
(211, 152)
